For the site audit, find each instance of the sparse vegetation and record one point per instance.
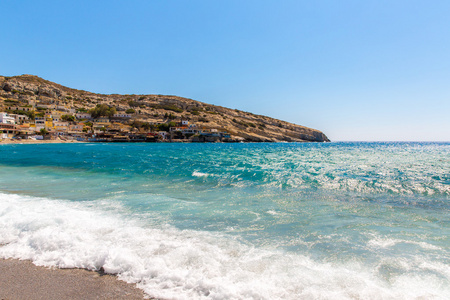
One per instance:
(29, 114)
(172, 108)
(169, 116)
(133, 103)
(11, 101)
(245, 124)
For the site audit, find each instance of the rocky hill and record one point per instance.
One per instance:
(29, 89)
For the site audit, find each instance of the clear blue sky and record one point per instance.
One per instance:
(357, 70)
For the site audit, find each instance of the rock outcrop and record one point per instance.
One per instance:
(30, 89)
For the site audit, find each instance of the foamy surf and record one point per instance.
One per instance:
(199, 174)
(170, 263)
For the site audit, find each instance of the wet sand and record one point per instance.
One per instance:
(23, 280)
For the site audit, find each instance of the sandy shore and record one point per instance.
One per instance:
(23, 280)
(10, 141)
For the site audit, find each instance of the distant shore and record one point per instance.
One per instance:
(21, 279)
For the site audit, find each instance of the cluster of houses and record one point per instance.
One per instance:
(66, 124)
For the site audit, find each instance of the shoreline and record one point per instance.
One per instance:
(24, 141)
(21, 279)
(19, 142)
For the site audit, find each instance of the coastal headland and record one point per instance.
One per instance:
(42, 107)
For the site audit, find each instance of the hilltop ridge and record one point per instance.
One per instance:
(31, 89)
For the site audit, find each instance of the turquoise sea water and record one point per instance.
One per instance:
(236, 221)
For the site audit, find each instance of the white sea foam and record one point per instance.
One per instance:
(199, 174)
(379, 242)
(184, 264)
(272, 212)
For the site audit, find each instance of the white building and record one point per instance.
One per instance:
(163, 134)
(122, 115)
(61, 128)
(22, 108)
(6, 119)
(20, 119)
(39, 123)
(7, 126)
(80, 116)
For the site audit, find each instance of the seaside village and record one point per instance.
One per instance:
(52, 121)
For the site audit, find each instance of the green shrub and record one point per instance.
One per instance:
(165, 127)
(68, 118)
(11, 101)
(133, 103)
(245, 124)
(102, 110)
(169, 116)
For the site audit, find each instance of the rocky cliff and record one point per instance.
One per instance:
(30, 89)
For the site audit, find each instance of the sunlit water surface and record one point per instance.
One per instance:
(236, 221)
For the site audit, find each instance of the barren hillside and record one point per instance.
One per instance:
(27, 89)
